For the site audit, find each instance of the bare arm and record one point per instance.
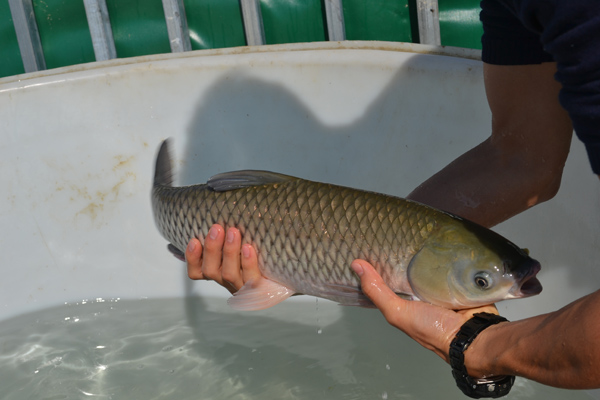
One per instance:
(559, 349)
(521, 164)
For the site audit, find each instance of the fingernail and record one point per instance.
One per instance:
(230, 236)
(245, 251)
(357, 268)
(213, 233)
(191, 246)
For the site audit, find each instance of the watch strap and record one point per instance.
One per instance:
(476, 388)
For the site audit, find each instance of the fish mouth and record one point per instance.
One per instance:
(530, 285)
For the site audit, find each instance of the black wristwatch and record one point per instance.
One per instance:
(493, 387)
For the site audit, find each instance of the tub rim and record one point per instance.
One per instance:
(415, 48)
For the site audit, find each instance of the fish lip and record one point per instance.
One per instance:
(530, 285)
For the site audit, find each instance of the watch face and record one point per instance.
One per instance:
(490, 389)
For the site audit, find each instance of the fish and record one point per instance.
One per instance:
(307, 233)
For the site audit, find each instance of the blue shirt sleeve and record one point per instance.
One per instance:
(519, 32)
(505, 40)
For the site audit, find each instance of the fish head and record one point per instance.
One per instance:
(464, 265)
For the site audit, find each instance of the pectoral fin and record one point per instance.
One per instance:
(353, 296)
(259, 294)
(180, 255)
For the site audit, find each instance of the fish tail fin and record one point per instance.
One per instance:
(163, 172)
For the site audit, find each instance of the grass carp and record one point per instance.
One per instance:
(307, 233)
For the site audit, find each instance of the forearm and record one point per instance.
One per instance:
(486, 186)
(560, 349)
(521, 164)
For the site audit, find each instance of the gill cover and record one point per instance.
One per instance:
(428, 275)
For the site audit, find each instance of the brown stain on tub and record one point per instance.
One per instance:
(122, 162)
(92, 210)
(102, 201)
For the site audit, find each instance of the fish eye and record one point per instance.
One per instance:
(483, 280)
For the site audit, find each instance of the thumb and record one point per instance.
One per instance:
(377, 291)
(421, 321)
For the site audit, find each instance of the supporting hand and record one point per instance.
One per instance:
(431, 326)
(223, 259)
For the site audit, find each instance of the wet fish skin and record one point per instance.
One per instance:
(307, 233)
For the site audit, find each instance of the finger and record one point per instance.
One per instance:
(421, 321)
(193, 257)
(212, 254)
(250, 270)
(231, 268)
(391, 306)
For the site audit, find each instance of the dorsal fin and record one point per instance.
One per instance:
(163, 172)
(245, 178)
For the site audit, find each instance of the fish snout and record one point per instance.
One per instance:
(529, 283)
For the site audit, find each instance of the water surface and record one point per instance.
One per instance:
(201, 349)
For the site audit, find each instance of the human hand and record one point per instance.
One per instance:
(223, 259)
(433, 327)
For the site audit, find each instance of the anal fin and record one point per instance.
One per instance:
(180, 255)
(259, 294)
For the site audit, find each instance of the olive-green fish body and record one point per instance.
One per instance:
(307, 233)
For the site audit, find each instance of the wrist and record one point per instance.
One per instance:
(473, 386)
(481, 357)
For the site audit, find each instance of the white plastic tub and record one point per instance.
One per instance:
(78, 145)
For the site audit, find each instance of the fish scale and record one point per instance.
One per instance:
(306, 235)
(299, 228)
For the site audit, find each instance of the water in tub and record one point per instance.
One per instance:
(197, 348)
